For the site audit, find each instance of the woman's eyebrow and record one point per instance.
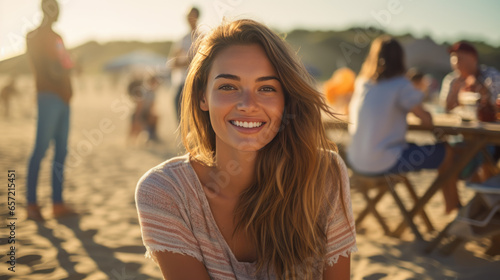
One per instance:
(267, 78)
(228, 76)
(236, 78)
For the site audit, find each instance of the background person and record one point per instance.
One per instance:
(469, 76)
(382, 98)
(51, 65)
(419, 81)
(144, 118)
(182, 53)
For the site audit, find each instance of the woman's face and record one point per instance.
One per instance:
(244, 98)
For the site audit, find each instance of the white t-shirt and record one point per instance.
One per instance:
(377, 122)
(183, 49)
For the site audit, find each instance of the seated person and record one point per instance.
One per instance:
(468, 75)
(377, 121)
(419, 81)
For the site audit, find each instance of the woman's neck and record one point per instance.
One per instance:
(234, 171)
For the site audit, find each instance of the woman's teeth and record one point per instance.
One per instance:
(247, 124)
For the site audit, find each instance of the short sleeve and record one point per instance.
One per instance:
(163, 217)
(409, 96)
(492, 82)
(445, 87)
(341, 233)
(62, 54)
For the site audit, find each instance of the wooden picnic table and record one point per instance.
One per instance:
(476, 135)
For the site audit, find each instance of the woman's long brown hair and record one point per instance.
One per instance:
(384, 60)
(284, 210)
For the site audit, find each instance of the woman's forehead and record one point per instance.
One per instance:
(242, 60)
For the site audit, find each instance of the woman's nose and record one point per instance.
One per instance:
(247, 101)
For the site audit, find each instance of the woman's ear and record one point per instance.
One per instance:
(203, 103)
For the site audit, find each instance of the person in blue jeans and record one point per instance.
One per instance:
(51, 65)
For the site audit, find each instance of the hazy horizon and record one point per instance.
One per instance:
(157, 20)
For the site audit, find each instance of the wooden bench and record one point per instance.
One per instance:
(386, 184)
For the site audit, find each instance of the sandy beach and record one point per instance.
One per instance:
(104, 241)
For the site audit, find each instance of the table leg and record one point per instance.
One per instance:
(472, 149)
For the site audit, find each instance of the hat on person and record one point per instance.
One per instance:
(464, 47)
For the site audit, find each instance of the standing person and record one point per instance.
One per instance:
(377, 114)
(51, 65)
(182, 54)
(260, 194)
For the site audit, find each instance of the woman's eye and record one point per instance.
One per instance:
(226, 87)
(267, 89)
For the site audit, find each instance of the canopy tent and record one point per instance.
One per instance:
(136, 59)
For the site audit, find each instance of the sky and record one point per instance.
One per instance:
(160, 20)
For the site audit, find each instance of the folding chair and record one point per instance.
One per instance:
(384, 184)
(480, 218)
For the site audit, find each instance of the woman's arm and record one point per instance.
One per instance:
(340, 270)
(175, 266)
(474, 85)
(423, 115)
(452, 97)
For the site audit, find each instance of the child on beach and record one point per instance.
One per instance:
(261, 193)
(144, 118)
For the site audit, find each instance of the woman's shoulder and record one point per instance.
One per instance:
(339, 168)
(397, 86)
(397, 80)
(170, 175)
(337, 159)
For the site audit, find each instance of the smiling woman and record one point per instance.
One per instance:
(261, 194)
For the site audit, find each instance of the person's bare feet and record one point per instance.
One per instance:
(34, 213)
(61, 210)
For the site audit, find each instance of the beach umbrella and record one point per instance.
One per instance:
(136, 59)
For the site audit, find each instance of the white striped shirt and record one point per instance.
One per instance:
(175, 216)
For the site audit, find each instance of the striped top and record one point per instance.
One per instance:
(175, 216)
